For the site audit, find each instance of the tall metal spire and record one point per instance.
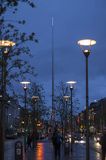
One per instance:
(53, 107)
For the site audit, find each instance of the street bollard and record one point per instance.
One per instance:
(18, 150)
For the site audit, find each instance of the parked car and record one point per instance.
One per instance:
(79, 138)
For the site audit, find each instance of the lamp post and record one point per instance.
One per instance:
(71, 85)
(66, 98)
(86, 49)
(102, 115)
(34, 99)
(5, 45)
(25, 87)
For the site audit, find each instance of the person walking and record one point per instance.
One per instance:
(29, 141)
(103, 145)
(56, 140)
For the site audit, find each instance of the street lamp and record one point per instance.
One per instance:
(25, 87)
(86, 49)
(4, 44)
(66, 98)
(34, 99)
(71, 85)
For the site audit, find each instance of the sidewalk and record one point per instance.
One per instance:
(44, 151)
(9, 149)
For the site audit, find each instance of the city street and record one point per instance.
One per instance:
(52, 80)
(44, 151)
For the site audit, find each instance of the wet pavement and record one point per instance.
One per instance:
(44, 151)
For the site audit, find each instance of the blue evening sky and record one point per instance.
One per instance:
(73, 20)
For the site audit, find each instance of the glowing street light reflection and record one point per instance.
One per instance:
(40, 151)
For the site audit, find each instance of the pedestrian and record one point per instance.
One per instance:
(29, 141)
(56, 140)
(34, 139)
(103, 145)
